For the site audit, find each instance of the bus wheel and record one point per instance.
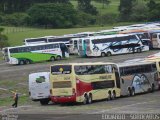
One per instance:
(139, 50)
(103, 54)
(129, 92)
(44, 102)
(133, 91)
(109, 96)
(58, 58)
(114, 95)
(52, 58)
(109, 54)
(90, 99)
(27, 61)
(85, 101)
(21, 62)
(153, 88)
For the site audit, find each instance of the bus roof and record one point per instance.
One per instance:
(109, 36)
(127, 64)
(89, 63)
(33, 45)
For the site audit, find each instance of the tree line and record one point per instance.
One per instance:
(62, 14)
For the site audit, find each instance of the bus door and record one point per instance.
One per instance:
(80, 47)
(75, 46)
(155, 40)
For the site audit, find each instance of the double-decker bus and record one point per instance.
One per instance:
(84, 82)
(35, 53)
(138, 77)
(113, 45)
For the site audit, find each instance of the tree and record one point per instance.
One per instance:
(139, 11)
(54, 15)
(154, 14)
(85, 6)
(3, 39)
(151, 5)
(125, 9)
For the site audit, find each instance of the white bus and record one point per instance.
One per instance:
(112, 45)
(38, 40)
(39, 87)
(48, 39)
(35, 53)
(138, 77)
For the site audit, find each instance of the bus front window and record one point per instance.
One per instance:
(61, 69)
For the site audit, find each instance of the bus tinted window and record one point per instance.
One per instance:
(103, 84)
(154, 36)
(137, 69)
(93, 69)
(61, 69)
(13, 50)
(37, 40)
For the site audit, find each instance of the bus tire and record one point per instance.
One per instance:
(44, 102)
(109, 96)
(103, 54)
(90, 99)
(139, 50)
(21, 62)
(27, 62)
(133, 91)
(85, 101)
(129, 92)
(52, 58)
(153, 88)
(109, 54)
(114, 95)
(58, 58)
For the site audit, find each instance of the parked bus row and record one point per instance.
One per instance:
(86, 82)
(92, 44)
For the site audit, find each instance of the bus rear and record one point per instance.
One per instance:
(62, 84)
(39, 87)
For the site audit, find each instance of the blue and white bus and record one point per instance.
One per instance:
(112, 45)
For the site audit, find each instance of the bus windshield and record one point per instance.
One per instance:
(93, 69)
(60, 69)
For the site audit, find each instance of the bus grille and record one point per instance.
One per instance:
(64, 84)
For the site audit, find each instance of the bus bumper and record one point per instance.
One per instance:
(64, 99)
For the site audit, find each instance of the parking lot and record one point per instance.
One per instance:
(145, 103)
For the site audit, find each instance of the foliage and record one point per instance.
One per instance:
(15, 19)
(53, 15)
(85, 6)
(3, 39)
(154, 14)
(107, 18)
(125, 9)
(84, 19)
(139, 11)
(104, 2)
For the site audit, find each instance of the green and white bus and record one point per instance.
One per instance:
(35, 53)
